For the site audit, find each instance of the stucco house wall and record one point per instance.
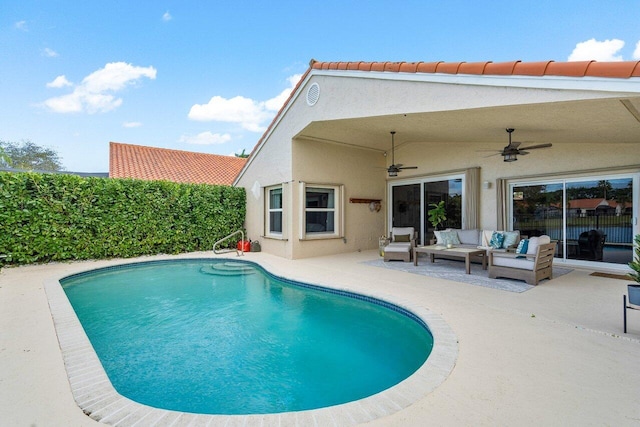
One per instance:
(359, 171)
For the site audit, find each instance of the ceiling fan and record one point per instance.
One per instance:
(394, 169)
(511, 151)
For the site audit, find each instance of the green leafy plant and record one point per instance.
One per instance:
(635, 264)
(58, 217)
(438, 214)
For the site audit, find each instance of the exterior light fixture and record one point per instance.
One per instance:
(510, 157)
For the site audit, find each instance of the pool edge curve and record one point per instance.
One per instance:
(94, 394)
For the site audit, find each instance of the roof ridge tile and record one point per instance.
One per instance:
(592, 68)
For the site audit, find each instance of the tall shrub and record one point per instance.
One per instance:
(52, 217)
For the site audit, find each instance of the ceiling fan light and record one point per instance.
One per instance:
(393, 173)
(510, 157)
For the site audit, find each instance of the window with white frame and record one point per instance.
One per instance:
(274, 211)
(321, 216)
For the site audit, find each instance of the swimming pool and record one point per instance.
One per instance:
(187, 336)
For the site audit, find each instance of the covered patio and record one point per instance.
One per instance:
(449, 119)
(553, 355)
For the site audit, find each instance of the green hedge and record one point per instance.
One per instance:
(55, 217)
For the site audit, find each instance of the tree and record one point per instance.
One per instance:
(605, 186)
(29, 156)
(4, 159)
(242, 155)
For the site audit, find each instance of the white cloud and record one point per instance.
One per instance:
(166, 17)
(206, 138)
(274, 104)
(49, 53)
(250, 114)
(60, 81)
(21, 25)
(636, 53)
(597, 50)
(131, 124)
(116, 76)
(93, 95)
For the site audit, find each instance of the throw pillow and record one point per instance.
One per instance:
(401, 238)
(438, 234)
(510, 238)
(485, 238)
(468, 237)
(450, 236)
(496, 240)
(522, 247)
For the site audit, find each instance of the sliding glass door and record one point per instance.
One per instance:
(406, 206)
(449, 191)
(411, 203)
(592, 218)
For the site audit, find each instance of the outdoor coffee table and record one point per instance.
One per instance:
(457, 252)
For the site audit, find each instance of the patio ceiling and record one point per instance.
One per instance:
(598, 121)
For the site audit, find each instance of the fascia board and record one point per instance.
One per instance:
(597, 84)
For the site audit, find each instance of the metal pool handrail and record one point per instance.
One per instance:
(239, 252)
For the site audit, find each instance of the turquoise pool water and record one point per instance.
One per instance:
(221, 337)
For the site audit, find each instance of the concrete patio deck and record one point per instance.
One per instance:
(554, 355)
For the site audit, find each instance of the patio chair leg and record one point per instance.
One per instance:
(624, 312)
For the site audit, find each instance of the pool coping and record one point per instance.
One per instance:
(95, 395)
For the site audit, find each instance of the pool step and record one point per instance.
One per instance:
(228, 269)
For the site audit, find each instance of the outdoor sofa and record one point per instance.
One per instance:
(476, 239)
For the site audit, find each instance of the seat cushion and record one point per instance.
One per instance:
(398, 247)
(534, 242)
(523, 264)
(469, 237)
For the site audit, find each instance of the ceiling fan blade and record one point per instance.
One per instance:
(408, 167)
(532, 147)
(514, 144)
(523, 153)
(398, 165)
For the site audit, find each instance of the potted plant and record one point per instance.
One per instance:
(437, 215)
(634, 289)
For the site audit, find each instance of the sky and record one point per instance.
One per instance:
(209, 76)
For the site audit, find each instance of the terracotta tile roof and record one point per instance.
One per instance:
(620, 69)
(150, 163)
(594, 203)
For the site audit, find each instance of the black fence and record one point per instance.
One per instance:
(618, 228)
